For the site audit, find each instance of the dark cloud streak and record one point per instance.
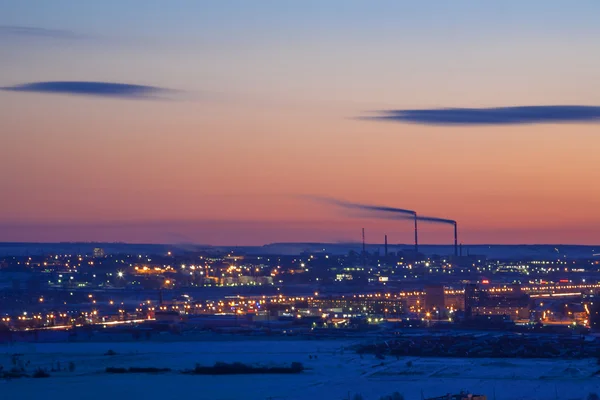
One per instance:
(421, 218)
(358, 206)
(26, 31)
(381, 212)
(86, 88)
(494, 116)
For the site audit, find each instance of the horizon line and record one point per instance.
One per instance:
(290, 243)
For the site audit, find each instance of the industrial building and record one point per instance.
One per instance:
(513, 303)
(359, 305)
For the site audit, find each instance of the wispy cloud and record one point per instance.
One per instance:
(494, 116)
(90, 88)
(27, 31)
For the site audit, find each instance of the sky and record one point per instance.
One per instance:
(230, 116)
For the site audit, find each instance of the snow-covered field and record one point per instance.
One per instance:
(333, 374)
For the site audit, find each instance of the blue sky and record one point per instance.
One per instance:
(233, 42)
(334, 19)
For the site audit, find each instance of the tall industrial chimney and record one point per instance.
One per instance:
(363, 240)
(416, 236)
(455, 239)
(364, 251)
(386, 248)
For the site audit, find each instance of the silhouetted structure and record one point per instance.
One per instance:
(471, 298)
(435, 299)
(364, 251)
(595, 316)
(386, 246)
(416, 235)
(455, 239)
(513, 304)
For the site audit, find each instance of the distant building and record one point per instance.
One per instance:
(595, 316)
(489, 322)
(472, 295)
(435, 298)
(247, 280)
(454, 299)
(515, 312)
(99, 252)
(513, 304)
(167, 316)
(358, 305)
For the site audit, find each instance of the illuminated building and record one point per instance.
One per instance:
(594, 308)
(359, 305)
(512, 302)
(435, 298)
(471, 298)
(99, 252)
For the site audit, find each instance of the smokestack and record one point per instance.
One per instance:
(398, 213)
(363, 239)
(437, 220)
(364, 251)
(455, 238)
(416, 236)
(386, 248)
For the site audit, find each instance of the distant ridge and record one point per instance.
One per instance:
(494, 251)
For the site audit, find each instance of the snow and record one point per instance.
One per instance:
(334, 374)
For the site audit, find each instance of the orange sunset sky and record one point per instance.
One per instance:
(268, 110)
